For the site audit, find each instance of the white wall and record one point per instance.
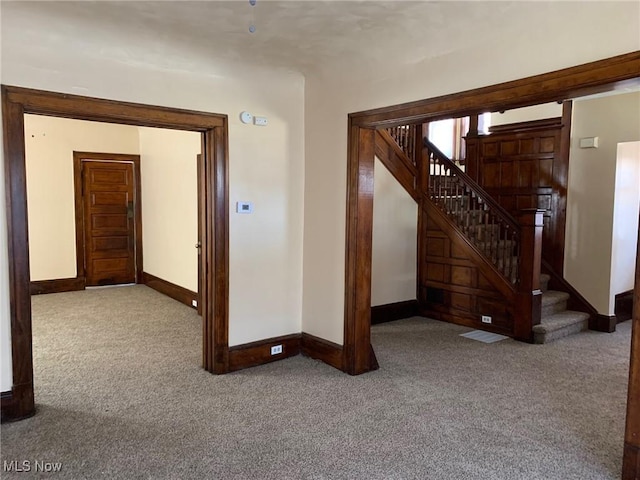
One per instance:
(266, 163)
(556, 35)
(626, 208)
(168, 172)
(50, 143)
(591, 192)
(527, 114)
(395, 222)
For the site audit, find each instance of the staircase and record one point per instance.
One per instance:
(557, 322)
(504, 251)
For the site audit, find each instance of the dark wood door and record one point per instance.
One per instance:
(109, 222)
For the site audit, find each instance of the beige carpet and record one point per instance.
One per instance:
(121, 395)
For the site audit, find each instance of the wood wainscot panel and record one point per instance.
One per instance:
(259, 353)
(452, 286)
(169, 289)
(40, 287)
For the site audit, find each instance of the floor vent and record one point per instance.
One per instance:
(482, 336)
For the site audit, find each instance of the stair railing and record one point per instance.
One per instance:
(405, 137)
(489, 227)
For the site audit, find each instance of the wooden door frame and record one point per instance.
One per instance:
(81, 252)
(16, 102)
(595, 77)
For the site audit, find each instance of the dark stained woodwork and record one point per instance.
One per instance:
(16, 102)
(529, 298)
(457, 283)
(604, 75)
(603, 323)
(201, 222)
(396, 161)
(613, 73)
(623, 309)
(525, 165)
(357, 327)
(323, 350)
(631, 460)
(394, 311)
(259, 353)
(181, 294)
(22, 404)
(110, 218)
(40, 287)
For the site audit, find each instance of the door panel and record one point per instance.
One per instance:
(109, 222)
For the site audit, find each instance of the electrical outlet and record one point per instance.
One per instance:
(276, 349)
(486, 319)
(194, 303)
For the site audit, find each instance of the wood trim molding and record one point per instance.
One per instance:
(13, 404)
(323, 350)
(78, 157)
(17, 101)
(543, 124)
(624, 306)
(603, 323)
(595, 77)
(631, 462)
(59, 285)
(258, 353)
(394, 311)
(181, 294)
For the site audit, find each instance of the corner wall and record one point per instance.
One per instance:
(591, 193)
(168, 171)
(395, 241)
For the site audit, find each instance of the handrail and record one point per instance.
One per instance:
(480, 192)
(483, 221)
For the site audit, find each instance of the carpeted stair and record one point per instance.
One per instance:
(557, 322)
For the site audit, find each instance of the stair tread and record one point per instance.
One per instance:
(560, 320)
(551, 297)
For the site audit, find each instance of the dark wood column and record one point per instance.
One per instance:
(631, 461)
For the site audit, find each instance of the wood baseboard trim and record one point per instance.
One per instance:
(16, 404)
(631, 462)
(603, 323)
(324, 350)
(169, 289)
(59, 285)
(258, 353)
(624, 306)
(394, 311)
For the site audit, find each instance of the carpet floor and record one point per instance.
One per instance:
(121, 395)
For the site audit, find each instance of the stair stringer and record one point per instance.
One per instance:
(457, 283)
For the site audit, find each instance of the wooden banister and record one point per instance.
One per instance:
(529, 297)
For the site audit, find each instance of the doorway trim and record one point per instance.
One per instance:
(18, 101)
(81, 251)
(595, 77)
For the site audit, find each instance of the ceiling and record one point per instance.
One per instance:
(307, 36)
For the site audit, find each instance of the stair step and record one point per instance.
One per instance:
(560, 325)
(544, 282)
(553, 302)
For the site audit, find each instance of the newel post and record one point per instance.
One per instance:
(529, 296)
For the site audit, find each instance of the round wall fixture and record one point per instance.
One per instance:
(246, 117)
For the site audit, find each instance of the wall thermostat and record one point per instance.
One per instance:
(244, 207)
(246, 117)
